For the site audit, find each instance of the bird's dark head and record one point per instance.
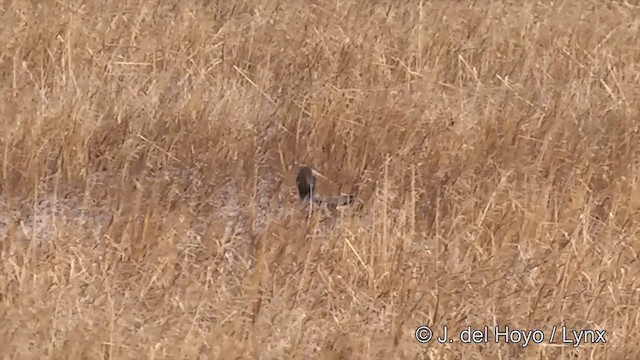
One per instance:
(306, 182)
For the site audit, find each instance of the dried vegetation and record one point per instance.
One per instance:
(149, 150)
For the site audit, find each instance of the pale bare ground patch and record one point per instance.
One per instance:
(149, 152)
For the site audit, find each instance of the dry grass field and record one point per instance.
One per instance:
(148, 154)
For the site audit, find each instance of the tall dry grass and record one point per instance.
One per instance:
(149, 151)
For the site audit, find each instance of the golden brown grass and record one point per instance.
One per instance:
(149, 152)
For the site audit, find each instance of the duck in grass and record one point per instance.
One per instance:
(307, 190)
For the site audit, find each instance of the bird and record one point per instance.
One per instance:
(307, 190)
(306, 183)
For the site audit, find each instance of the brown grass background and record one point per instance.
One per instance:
(149, 150)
